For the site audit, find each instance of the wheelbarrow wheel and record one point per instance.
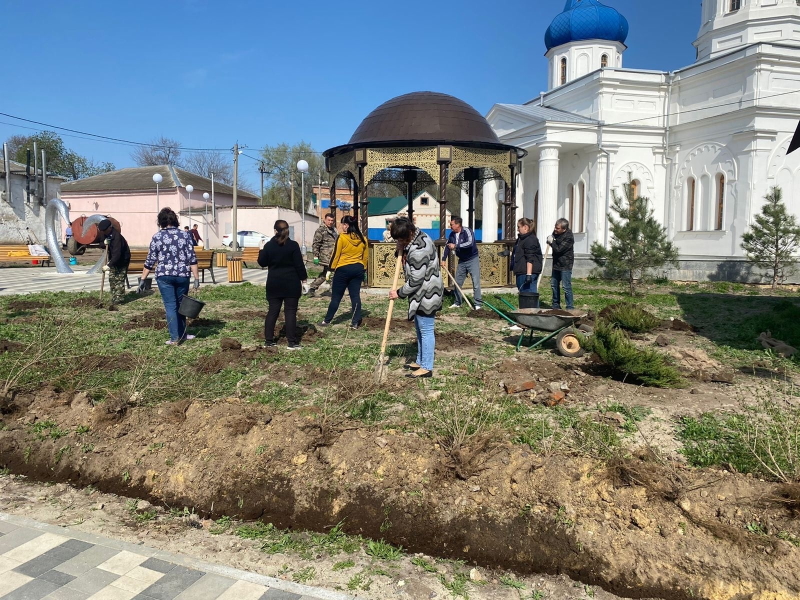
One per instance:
(569, 344)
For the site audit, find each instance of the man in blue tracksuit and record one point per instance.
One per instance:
(462, 242)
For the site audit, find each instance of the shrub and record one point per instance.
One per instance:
(630, 317)
(645, 365)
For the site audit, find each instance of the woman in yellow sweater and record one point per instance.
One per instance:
(349, 265)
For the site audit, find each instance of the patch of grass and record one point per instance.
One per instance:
(81, 429)
(630, 317)
(762, 438)
(509, 581)
(278, 395)
(343, 564)
(458, 586)
(220, 526)
(47, 429)
(788, 537)
(643, 365)
(304, 575)
(383, 550)
(255, 531)
(633, 413)
(360, 581)
(61, 452)
(371, 410)
(424, 565)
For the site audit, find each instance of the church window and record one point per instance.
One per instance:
(604, 61)
(580, 228)
(735, 5)
(720, 201)
(690, 191)
(563, 71)
(635, 188)
(571, 194)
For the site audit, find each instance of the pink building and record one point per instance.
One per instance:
(131, 197)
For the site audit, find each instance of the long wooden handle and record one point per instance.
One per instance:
(544, 262)
(391, 304)
(460, 291)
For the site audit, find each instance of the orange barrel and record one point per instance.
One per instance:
(93, 235)
(235, 270)
(222, 259)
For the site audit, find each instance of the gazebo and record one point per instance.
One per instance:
(420, 141)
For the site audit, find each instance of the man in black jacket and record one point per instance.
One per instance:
(562, 243)
(119, 257)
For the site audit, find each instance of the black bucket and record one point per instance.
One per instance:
(528, 300)
(148, 282)
(190, 307)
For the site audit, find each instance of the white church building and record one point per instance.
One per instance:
(704, 143)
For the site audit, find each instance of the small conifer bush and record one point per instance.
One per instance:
(642, 365)
(630, 317)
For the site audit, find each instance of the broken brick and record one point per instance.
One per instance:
(520, 386)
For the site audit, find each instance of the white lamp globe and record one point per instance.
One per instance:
(302, 166)
(157, 178)
(190, 188)
(206, 196)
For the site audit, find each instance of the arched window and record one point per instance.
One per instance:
(690, 192)
(571, 207)
(604, 61)
(734, 5)
(720, 201)
(636, 188)
(563, 71)
(581, 208)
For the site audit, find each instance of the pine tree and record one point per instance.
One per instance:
(639, 242)
(773, 239)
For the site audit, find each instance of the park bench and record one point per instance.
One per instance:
(205, 262)
(21, 253)
(250, 255)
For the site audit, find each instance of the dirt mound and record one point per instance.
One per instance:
(484, 314)
(28, 305)
(248, 315)
(636, 528)
(9, 346)
(379, 323)
(96, 362)
(89, 303)
(216, 323)
(455, 339)
(308, 332)
(152, 319)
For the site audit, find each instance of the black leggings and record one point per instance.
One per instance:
(289, 311)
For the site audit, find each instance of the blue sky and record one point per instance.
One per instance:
(263, 72)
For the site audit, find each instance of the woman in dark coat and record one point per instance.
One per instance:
(285, 280)
(526, 260)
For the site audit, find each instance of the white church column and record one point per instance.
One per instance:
(464, 206)
(548, 189)
(490, 190)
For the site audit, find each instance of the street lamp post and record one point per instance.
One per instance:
(190, 189)
(206, 197)
(157, 178)
(302, 166)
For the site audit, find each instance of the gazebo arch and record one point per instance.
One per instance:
(419, 139)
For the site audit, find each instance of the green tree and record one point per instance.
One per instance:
(639, 242)
(280, 166)
(60, 160)
(772, 241)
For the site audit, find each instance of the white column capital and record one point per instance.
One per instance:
(549, 150)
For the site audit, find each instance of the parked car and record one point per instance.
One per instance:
(247, 239)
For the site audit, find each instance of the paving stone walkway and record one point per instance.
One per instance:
(45, 562)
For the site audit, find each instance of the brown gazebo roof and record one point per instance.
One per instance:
(422, 118)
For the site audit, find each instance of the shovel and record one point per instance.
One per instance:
(460, 291)
(103, 278)
(380, 369)
(544, 262)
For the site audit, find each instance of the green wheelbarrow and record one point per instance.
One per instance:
(563, 325)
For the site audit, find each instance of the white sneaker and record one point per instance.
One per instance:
(478, 307)
(455, 306)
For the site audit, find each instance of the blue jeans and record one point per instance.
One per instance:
(426, 341)
(173, 289)
(565, 279)
(347, 278)
(473, 268)
(524, 287)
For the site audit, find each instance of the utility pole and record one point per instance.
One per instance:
(234, 233)
(262, 168)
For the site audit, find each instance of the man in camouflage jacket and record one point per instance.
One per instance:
(323, 246)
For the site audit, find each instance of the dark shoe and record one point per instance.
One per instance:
(269, 344)
(420, 373)
(324, 323)
(294, 347)
(356, 325)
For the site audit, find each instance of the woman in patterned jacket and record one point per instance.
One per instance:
(424, 289)
(173, 251)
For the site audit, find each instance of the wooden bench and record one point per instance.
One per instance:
(20, 253)
(250, 255)
(205, 262)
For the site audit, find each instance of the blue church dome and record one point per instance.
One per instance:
(586, 20)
